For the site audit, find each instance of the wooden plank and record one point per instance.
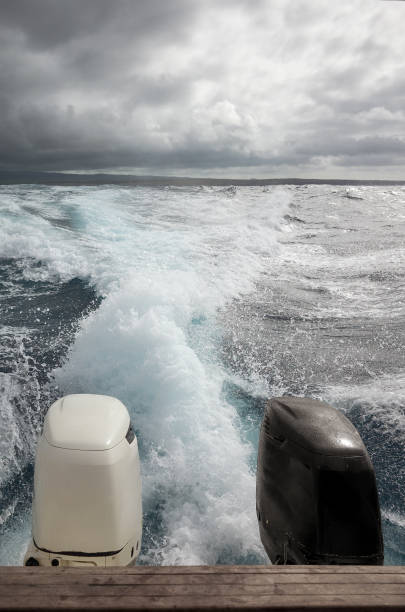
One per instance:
(296, 588)
(257, 580)
(215, 569)
(310, 572)
(149, 590)
(376, 603)
(100, 576)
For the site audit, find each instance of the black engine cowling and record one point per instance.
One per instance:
(316, 494)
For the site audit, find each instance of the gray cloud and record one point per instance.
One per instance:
(272, 87)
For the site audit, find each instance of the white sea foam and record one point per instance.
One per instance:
(381, 399)
(394, 518)
(142, 346)
(166, 261)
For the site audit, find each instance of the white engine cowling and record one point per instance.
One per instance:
(87, 508)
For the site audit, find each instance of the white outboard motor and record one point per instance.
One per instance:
(87, 508)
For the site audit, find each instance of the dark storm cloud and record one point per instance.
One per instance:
(46, 24)
(276, 86)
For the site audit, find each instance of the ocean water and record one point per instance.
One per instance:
(193, 305)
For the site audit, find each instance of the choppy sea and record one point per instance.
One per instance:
(193, 305)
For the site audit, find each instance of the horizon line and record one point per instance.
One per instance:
(72, 178)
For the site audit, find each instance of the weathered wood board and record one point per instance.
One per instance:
(298, 588)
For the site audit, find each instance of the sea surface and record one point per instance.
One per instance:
(192, 305)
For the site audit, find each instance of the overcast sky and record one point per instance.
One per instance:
(238, 88)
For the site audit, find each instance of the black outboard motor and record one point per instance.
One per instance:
(316, 494)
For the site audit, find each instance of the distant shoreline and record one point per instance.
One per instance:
(60, 178)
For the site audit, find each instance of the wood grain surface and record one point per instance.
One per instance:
(283, 588)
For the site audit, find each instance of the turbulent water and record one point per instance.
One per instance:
(192, 305)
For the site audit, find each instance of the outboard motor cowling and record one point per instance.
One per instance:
(87, 506)
(316, 493)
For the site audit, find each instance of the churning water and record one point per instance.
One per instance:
(192, 305)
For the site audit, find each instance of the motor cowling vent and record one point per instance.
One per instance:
(266, 425)
(316, 493)
(130, 436)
